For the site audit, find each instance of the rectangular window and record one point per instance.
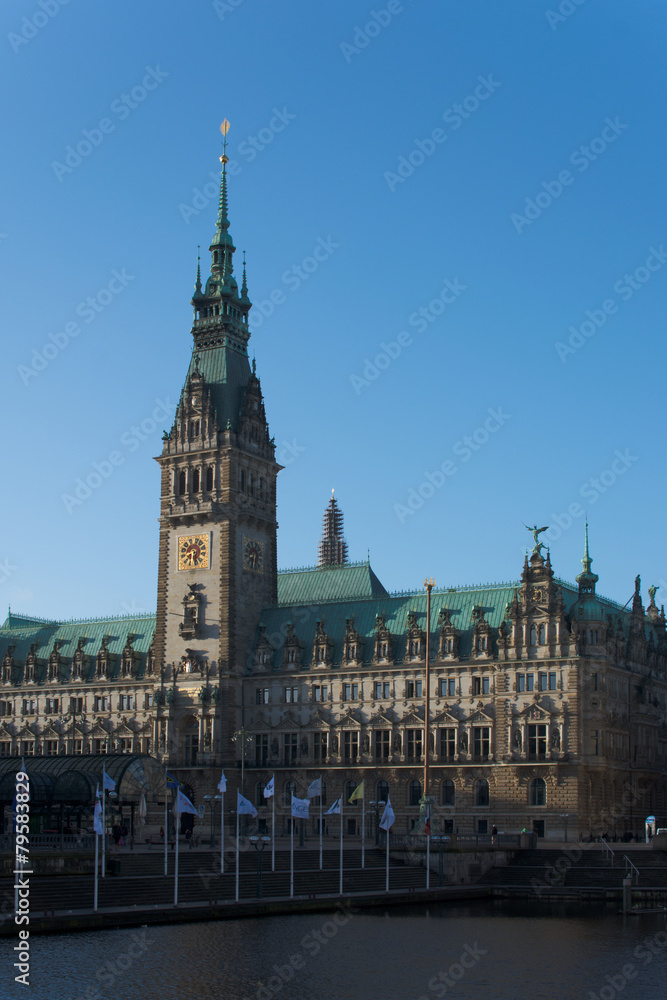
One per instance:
(76, 706)
(290, 746)
(481, 742)
(413, 689)
(125, 702)
(382, 743)
(477, 685)
(28, 748)
(594, 678)
(261, 749)
(51, 706)
(51, 748)
(595, 742)
(291, 694)
(78, 746)
(148, 699)
(541, 682)
(350, 692)
(100, 746)
(486, 685)
(552, 681)
(415, 742)
(537, 741)
(351, 746)
(448, 743)
(5, 748)
(530, 682)
(101, 703)
(451, 685)
(262, 696)
(521, 682)
(320, 692)
(29, 706)
(125, 746)
(382, 689)
(320, 746)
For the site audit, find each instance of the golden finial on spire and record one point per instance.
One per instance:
(224, 128)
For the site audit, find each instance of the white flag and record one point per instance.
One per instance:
(97, 816)
(300, 807)
(269, 789)
(314, 788)
(244, 806)
(388, 816)
(222, 784)
(335, 808)
(108, 784)
(183, 804)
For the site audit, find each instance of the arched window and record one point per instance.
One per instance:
(195, 481)
(260, 488)
(349, 788)
(415, 792)
(209, 479)
(251, 485)
(533, 635)
(259, 793)
(538, 792)
(382, 791)
(290, 790)
(242, 479)
(542, 635)
(181, 483)
(482, 792)
(448, 792)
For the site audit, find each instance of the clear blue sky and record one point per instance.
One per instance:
(540, 190)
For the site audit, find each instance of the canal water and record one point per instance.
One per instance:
(499, 950)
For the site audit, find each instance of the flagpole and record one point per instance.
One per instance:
(176, 859)
(363, 825)
(428, 860)
(237, 850)
(291, 852)
(222, 833)
(386, 888)
(340, 879)
(104, 827)
(166, 824)
(320, 829)
(273, 827)
(97, 853)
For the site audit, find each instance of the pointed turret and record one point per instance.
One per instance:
(587, 580)
(333, 547)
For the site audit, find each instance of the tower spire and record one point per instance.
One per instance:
(222, 246)
(333, 547)
(587, 579)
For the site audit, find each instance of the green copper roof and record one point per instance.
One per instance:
(226, 371)
(328, 583)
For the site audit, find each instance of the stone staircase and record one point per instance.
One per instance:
(571, 869)
(141, 879)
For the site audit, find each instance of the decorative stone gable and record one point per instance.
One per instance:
(482, 636)
(415, 640)
(263, 651)
(353, 645)
(291, 649)
(384, 651)
(322, 647)
(448, 637)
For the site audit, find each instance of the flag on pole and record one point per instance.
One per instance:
(427, 822)
(183, 804)
(300, 807)
(244, 807)
(357, 794)
(314, 788)
(108, 784)
(222, 784)
(335, 808)
(172, 782)
(388, 816)
(97, 816)
(269, 789)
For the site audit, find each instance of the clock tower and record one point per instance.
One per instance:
(217, 557)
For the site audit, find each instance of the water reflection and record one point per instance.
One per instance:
(467, 951)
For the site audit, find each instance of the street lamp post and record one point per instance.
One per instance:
(259, 843)
(211, 800)
(241, 737)
(377, 819)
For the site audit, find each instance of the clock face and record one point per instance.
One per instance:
(193, 552)
(253, 555)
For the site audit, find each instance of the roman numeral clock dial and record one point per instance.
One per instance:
(193, 552)
(253, 555)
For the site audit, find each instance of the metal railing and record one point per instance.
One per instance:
(51, 841)
(634, 871)
(609, 852)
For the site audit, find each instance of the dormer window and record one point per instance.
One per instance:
(291, 655)
(194, 428)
